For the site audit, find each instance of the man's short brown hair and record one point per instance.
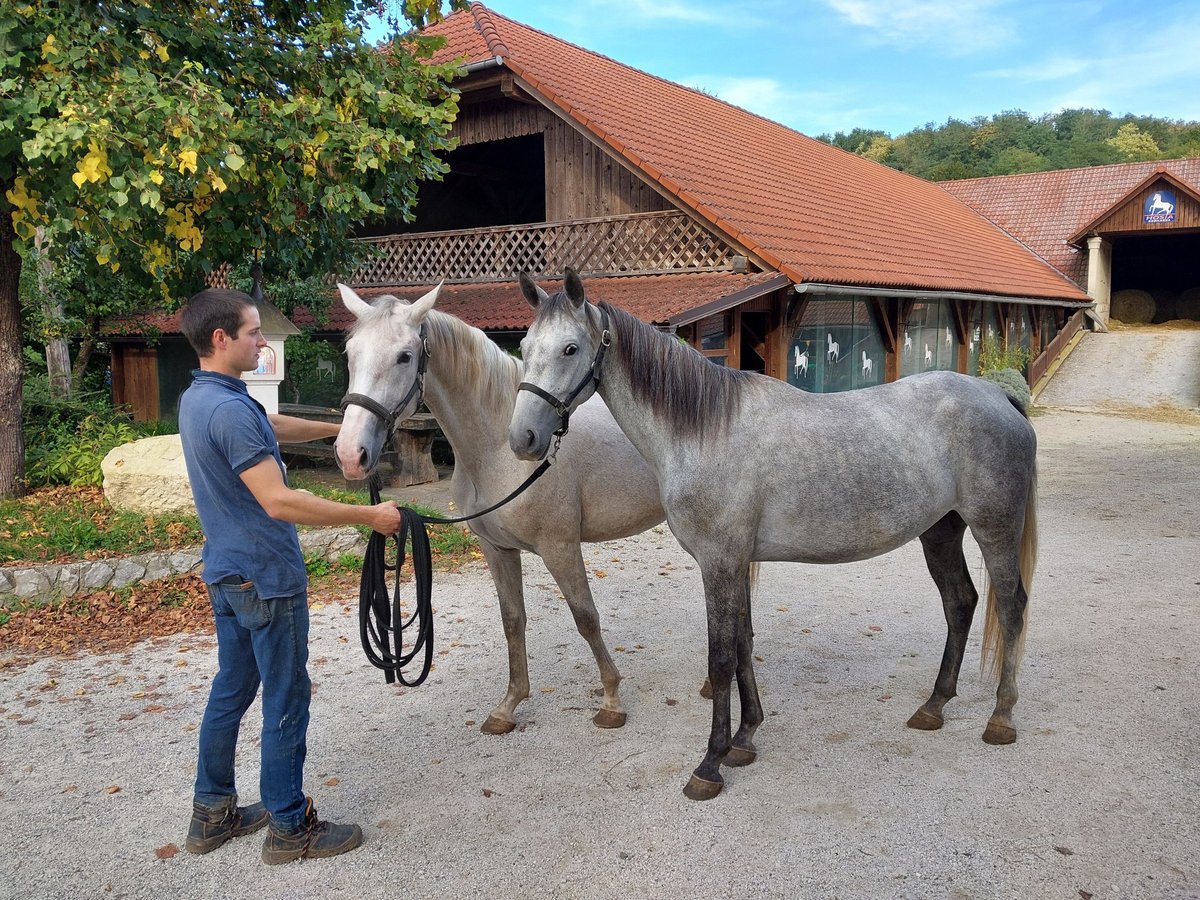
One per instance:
(209, 310)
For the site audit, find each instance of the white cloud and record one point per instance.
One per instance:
(954, 27)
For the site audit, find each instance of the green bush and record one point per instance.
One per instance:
(994, 356)
(1013, 383)
(75, 459)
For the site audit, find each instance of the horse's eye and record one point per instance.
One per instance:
(570, 350)
(404, 358)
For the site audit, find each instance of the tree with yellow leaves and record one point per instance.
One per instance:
(168, 139)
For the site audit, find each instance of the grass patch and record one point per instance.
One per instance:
(64, 523)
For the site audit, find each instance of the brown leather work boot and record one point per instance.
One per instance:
(312, 839)
(212, 826)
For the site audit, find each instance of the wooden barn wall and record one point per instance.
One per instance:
(1129, 217)
(496, 120)
(582, 181)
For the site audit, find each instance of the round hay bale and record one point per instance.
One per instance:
(1164, 305)
(1132, 306)
(1188, 304)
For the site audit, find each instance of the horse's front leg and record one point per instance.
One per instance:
(565, 564)
(725, 596)
(505, 566)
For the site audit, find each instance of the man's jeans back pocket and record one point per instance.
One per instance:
(250, 610)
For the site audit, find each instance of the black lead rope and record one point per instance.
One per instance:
(379, 608)
(381, 623)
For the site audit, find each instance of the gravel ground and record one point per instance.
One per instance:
(1096, 799)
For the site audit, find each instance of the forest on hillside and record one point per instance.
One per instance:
(1012, 142)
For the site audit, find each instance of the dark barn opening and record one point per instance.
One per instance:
(1163, 265)
(489, 184)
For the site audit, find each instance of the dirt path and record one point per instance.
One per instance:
(1097, 798)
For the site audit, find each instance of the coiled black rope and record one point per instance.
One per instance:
(382, 626)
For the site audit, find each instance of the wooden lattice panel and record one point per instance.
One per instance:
(644, 243)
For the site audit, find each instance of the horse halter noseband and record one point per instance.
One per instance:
(563, 407)
(418, 389)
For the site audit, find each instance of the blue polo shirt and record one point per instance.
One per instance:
(224, 432)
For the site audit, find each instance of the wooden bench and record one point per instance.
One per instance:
(410, 454)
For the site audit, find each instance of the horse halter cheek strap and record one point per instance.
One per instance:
(563, 407)
(418, 389)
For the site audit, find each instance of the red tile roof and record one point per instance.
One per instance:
(1045, 209)
(499, 306)
(814, 212)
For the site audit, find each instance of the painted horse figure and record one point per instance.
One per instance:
(969, 463)
(600, 490)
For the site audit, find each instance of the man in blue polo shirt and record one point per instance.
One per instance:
(257, 583)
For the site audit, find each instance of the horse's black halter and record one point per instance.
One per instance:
(563, 407)
(418, 389)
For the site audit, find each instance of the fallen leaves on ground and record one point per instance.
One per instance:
(104, 621)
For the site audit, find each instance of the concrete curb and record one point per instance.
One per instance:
(42, 584)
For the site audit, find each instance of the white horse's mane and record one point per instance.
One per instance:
(466, 357)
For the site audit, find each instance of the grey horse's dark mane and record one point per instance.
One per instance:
(688, 391)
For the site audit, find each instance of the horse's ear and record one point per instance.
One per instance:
(356, 304)
(574, 286)
(419, 308)
(533, 294)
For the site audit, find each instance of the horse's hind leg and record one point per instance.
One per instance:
(505, 566)
(1010, 601)
(565, 564)
(948, 566)
(743, 752)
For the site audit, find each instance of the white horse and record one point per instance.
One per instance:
(936, 453)
(1159, 205)
(907, 343)
(801, 365)
(600, 490)
(928, 355)
(835, 351)
(868, 365)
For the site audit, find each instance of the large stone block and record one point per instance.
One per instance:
(148, 476)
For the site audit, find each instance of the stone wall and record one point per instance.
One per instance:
(43, 583)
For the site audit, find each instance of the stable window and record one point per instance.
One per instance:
(836, 347)
(929, 339)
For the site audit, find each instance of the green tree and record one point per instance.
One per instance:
(1133, 144)
(176, 137)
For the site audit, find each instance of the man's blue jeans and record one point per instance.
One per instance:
(258, 641)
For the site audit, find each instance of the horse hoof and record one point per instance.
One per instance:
(496, 725)
(702, 789)
(706, 689)
(995, 733)
(925, 721)
(739, 756)
(608, 718)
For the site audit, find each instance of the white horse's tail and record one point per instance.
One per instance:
(993, 634)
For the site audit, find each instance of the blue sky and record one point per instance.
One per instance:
(822, 66)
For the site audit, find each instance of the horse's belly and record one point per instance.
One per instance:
(839, 540)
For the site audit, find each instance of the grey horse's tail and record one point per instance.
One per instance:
(993, 635)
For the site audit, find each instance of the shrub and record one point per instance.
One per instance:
(993, 357)
(75, 459)
(1013, 383)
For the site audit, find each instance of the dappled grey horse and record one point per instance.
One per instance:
(602, 488)
(750, 468)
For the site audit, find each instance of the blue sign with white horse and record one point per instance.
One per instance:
(1158, 208)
